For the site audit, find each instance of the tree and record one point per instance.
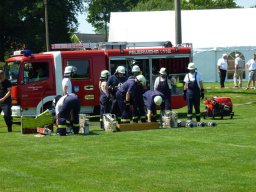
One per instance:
(208, 4)
(154, 5)
(22, 23)
(157, 5)
(99, 12)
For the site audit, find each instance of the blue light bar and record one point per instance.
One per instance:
(25, 52)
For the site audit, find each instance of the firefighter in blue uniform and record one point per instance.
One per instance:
(163, 85)
(67, 109)
(126, 93)
(114, 83)
(151, 100)
(193, 91)
(137, 103)
(104, 96)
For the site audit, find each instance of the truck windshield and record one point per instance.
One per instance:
(11, 71)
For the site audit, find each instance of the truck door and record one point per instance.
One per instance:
(36, 83)
(85, 82)
(82, 81)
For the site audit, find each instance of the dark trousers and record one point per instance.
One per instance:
(193, 100)
(69, 112)
(125, 110)
(6, 108)
(114, 108)
(222, 74)
(167, 102)
(104, 108)
(138, 113)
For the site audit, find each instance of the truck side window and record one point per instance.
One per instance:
(34, 72)
(83, 68)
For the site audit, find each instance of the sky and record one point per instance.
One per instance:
(85, 27)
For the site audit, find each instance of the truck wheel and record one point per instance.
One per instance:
(96, 110)
(47, 105)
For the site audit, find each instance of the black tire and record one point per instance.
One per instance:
(47, 105)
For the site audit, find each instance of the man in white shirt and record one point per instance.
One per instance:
(222, 66)
(251, 65)
(66, 82)
(239, 69)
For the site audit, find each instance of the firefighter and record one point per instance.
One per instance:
(138, 104)
(126, 93)
(5, 100)
(104, 95)
(114, 82)
(151, 100)
(66, 82)
(193, 91)
(163, 85)
(67, 109)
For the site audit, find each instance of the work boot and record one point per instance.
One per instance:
(9, 129)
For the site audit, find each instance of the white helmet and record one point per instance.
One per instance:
(120, 69)
(163, 71)
(158, 100)
(141, 79)
(70, 69)
(191, 66)
(104, 74)
(135, 68)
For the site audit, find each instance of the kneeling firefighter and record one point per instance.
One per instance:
(151, 100)
(67, 109)
(193, 91)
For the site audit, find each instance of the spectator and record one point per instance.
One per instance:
(251, 65)
(222, 69)
(239, 65)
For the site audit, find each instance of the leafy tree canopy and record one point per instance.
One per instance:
(161, 5)
(22, 23)
(99, 11)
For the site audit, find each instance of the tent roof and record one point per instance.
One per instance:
(203, 28)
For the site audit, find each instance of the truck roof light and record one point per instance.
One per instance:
(25, 52)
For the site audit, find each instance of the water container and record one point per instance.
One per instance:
(84, 124)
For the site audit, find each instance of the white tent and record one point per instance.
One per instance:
(212, 32)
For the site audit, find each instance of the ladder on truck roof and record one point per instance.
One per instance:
(115, 45)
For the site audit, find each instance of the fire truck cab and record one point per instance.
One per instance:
(37, 78)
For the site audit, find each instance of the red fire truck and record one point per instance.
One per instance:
(36, 78)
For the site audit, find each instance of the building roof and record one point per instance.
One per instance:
(91, 38)
(203, 28)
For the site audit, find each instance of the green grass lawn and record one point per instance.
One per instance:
(221, 158)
